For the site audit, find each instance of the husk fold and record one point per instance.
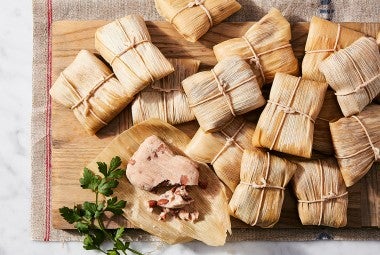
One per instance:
(165, 99)
(270, 32)
(261, 206)
(319, 185)
(78, 82)
(126, 45)
(353, 146)
(234, 87)
(224, 154)
(211, 202)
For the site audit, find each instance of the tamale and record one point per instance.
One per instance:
(330, 111)
(209, 200)
(258, 198)
(223, 149)
(321, 193)
(126, 45)
(218, 96)
(165, 98)
(91, 90)
(324, 38)
(266, 45)
(356, 141)
(287, 122)
(193, 18)
(354, 74)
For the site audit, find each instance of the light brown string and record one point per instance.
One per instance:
(329, 50)
(84, 100)
(230, 140)
(376, 151)
(192, 4)
(264, 185)
(324, 198)
(323, 119)
(287, 110)
(131, 45)
(223, 92)
(255, 58)
(364, 83)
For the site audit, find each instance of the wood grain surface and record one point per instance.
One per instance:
(73, 148)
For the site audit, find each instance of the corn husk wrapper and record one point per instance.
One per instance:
(319, 185)
(354, 73)
(289, 126)
(165, 99)
(352, 145)
(330, 111)
(224, 156)
(271, 32)
(322, 36)
(261, 206)
(211, 202)
(193, 22)
(126, 45)
(211, 107)
(79, 82)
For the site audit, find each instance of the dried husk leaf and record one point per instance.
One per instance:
(165, 99)
(352, 145)
(354, 73)
(225, 157)
(271, 32)
(330, 111)
(249, 203)
(78, 80)
(322, 36)
(290, 132)
(310, 183)
(192, 23)
(211, 202)
(210, 106)
(137, 66)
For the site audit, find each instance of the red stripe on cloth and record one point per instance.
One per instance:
(48, 124)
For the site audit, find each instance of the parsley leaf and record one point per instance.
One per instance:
(89, 180)
(115, 206)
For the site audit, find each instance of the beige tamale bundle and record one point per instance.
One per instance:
(266, 45)
(354, 74)
(223, 149)
(90, 89)
(287, 122)
(193, 18)
(356, 141)
(324, 38)
(210, 201)
(321, 193)
(126, 45)
(258, 198)
(165, 98)
(218, 96)
(330, 111)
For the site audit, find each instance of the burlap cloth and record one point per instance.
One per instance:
(47, 11)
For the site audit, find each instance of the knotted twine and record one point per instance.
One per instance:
(255, 58)
(334, 49)
(131, 45)
(287, 109)
(264, 185)
(222, 87)
(230, 140)
(324, 198)
(85, 99)
(376, 151)
(192, 4)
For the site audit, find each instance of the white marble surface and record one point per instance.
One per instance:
(15, 187)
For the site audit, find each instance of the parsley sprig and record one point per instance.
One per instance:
(88, 217)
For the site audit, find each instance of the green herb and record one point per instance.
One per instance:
(88, 217)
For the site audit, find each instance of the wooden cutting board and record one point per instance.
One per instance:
(73, 148)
